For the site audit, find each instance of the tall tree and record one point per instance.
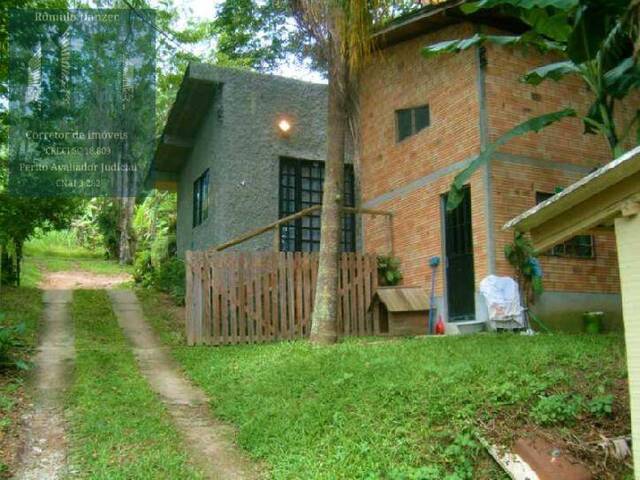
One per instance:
(342, 32)
(21, 216)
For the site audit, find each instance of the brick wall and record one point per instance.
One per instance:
(515, 187)
(510, 102)
(403, 78)
(417, 231)
(393, 174)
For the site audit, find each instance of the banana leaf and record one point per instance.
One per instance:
(527, 39)
(554, 71)
(532, 125)
(473, 7)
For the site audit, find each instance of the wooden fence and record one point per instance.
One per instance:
(249, 297)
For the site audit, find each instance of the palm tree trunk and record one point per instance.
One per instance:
(125, 250)
(323, 324)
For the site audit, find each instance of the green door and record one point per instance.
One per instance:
(459, 260)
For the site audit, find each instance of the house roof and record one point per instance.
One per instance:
(439, 15)
(192, 103)
(403, 299)
(603, 178)
(201, 87)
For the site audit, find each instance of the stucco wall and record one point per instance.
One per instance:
(239, 142)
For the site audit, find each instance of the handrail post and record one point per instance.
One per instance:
(391, 246)
(276, 239)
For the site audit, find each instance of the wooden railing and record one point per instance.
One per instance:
(249, 297)
(275, 226)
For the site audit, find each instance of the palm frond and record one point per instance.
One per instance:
(34, 76)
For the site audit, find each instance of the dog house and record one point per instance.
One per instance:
(401, 310)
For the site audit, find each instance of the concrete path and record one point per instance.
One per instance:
(209, 442)
(43, 456)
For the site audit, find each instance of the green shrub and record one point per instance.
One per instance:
(170, 278)
(601, 406)
(143, 271)
(557, 409)
(389, 271)
(461, 454)
(506, 393)
(10, 340)
(431, 472)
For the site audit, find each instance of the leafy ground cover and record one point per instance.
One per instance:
(119, 429)
(19, 307)
(410, 408)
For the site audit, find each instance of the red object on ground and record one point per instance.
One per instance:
(550, 462)
(440, 326)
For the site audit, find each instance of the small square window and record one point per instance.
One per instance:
(410, 121)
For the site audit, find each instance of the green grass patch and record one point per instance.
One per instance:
(403, 409)
(19, 306)
(119, 428)
(59, 243)
(166, 318)
(22, 305)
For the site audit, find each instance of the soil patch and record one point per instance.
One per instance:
(79, 279)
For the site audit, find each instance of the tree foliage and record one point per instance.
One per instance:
(19, 216)
(253, 35)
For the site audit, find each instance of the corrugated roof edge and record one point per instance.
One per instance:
(528, 219)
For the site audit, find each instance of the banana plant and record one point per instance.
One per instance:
(599, 40)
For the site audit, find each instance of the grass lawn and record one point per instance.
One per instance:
(408, 408)
(119, 429)
(19, 306)
(59, 252)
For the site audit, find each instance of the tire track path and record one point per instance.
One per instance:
(209, 441)
(43, 456)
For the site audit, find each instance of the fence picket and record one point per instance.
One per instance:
(273, 295)
(359, 284)
(249, 297)
(374, 286)
(367, 294)
(291, 310)
(344, 295)
(215, 299)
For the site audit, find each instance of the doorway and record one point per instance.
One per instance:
(459, 260)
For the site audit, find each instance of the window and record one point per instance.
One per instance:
(580, 246)
(201, 199)
(410, 121)
(301, 183)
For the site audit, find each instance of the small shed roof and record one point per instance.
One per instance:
(590, 202)
(403, 299)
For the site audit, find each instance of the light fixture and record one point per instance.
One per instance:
(284, 125)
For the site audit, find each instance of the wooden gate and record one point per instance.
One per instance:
(248, 297)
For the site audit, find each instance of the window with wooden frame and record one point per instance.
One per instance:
(410, 121)
(301, 186)
(201, 199)
(580, 246)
